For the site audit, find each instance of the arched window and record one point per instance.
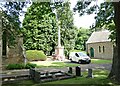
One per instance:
(103, 49)
(99, 49)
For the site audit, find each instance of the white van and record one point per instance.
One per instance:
(79, 57)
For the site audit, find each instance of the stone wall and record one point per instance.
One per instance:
(106, 54)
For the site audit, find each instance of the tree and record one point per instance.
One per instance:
(10, 20)
(82, 37)
(40, 27)
(115, 71)
(104, 16)
(108, 19)
(9, 31)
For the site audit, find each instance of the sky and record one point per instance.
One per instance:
(84, 21)
(80, 21)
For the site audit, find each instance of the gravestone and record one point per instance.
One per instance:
(53, 76)
(32, 73)
(78, 71)
(37, 76)
(90, 74)
(47, 73)
(70, 70)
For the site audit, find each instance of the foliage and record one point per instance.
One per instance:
(104, 15)
(105, 19)
(40, 27)
(20, 66)
(30, 65)
(15, 66)
(78, 51)
(109, 16)
(82, 37)
(33, 55)
(10, 19)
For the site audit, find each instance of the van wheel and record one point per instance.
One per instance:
(89, 62)
(79, 62)
(71, 60)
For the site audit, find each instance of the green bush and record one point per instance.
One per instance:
(30, 65)
(15, 66)
(33, 55)
(20, 66)
(77, 51)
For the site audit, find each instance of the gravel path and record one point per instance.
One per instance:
(96, 66)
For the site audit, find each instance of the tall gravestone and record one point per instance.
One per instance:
(70, 70)
(90, 73)
(78, 71)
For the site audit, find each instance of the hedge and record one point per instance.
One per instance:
(33, 55)
(20, 66)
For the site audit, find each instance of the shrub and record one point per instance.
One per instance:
(15, 66)
(20, 66)
(33, 55)
(30, 65)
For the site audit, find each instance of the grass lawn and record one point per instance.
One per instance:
(100, 61)
(67, 64)
(100, 78)
(54, 64)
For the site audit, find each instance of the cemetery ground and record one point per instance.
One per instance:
(67, 63)
(101, 69)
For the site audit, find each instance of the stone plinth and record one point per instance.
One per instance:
(59, 53)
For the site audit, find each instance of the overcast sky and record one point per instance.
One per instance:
(84, 21)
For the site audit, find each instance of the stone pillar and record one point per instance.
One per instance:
(59, 53)
(59, 50)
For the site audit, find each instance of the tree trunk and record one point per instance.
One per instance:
(0, 40)
(115, 71)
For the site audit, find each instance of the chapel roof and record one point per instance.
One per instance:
(99, 36)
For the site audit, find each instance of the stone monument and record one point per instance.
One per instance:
(59, 50)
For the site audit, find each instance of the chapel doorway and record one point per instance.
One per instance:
(91, 52)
